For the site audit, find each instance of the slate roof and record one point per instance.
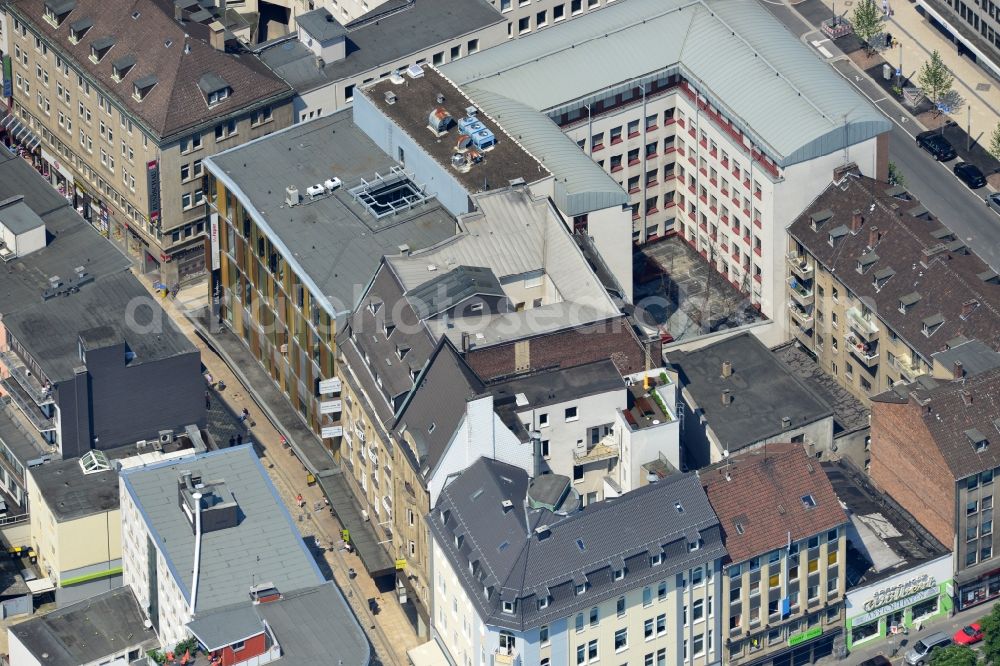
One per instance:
(264, 546)
(176, 104)
(86, 631)
(762, 388)
(48, 330)
(512, 561)
(932, 273)
(332, 243)
(762, 491)
(949, 410)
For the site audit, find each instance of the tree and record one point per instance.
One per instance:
(991, 635)
(935, 79)
(953, 655)
(867, 24)
(895, 175)
(995, 142)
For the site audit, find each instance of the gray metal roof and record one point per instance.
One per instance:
(974, 355)
(48, 330)
(86, 631)
(509, 557)
(316, 626)
(320, 24)
(265, 546)
(449, 289)
(332, 243)
(17, 216)
(415, 27)
(736, 53)
(217, 629)
(581, 185)
(762, 388)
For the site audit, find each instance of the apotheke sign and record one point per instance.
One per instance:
(905, 589)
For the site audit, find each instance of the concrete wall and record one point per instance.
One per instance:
(18, 653)
(611, 229)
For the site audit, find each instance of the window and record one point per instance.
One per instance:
(543, 602)
(261, 116)
(540, 19)
(217, 96)
(543, 420)
(621, 640)
(571, 414)
(579, 622)
(543, 635)
(581, 588)
(619, 574)
(508, 607)
(620, 606)
(185, 172)
(698, 610)
(656, 560)
(661, 592)
(558, 13)
(647, 597)
(595, 616)
(545, 449)
(524, 25)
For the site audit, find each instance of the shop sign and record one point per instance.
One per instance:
(400, 565)
(8, 78)
(897, 605)
(328, 432)
(329, 407)
(804, 636)
(329, 386)
(153, 188)
(890, 594)
(214, 231)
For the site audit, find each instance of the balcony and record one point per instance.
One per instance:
(866, 352)
(804, 336)
(862, 324)
(31, 411)
(800, 266)
(802, 316)
(19, 371)
(504, 655)
(802, 292)
(606, 449)
(908, 367)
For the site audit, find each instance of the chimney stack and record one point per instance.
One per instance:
(857, 219)
(727, 397)
(727, 369)
(957, 371)
(873, 237)
(786, 422)
(968, 307)
(217, 38)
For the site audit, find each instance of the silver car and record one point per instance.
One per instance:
(920, 653)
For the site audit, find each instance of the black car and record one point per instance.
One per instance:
(970, 175)
(877, 660)
(936, 145)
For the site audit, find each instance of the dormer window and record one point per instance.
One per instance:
(121, 67)
(78, 29)
(401, 351)
(374, 305)
(57, 10)
(930, 325)
(580, 589)
(99, 48)
(908, 301)
(142, 86)
(619, 574)
(656, 560)
(694, 545)
(543, 602)
(215, 88)
(508, 607)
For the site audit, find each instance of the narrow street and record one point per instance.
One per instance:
(389, 631)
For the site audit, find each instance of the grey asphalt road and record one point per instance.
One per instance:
(959, 208)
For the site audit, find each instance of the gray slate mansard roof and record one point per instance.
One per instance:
(87, 630)
(763, 391)
(333, 243)
(772, 86)
(265, 546)
(49, 329)
(618, 533)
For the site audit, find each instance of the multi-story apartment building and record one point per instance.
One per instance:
(209, 550)
(973, 26)
(720, 124)
(932, 452)
(522, 576)
(737, 395)
(121, 105)
(875, 286)
(784, 579)
(84, 350)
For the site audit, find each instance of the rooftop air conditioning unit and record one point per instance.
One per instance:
(141, 445)
(292, 195)
(315, 190)
(166, 436)
(390, 97)
(332, 183)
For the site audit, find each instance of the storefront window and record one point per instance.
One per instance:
(864, 632)
(925, 608)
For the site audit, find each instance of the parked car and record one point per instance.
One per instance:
(920, 653)
(970, 175)
(993, 201)
(876, 661)
(936, 145)
(968, 635)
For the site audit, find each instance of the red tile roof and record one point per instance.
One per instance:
(764, 495)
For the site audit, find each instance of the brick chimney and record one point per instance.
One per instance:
(217, 38)
(874, 236)
(857, 219)
(727, 369)
(842, 170)
(727, 397)
(957, 371)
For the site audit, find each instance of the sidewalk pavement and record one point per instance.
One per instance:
(390, 631)
(883, 646)
(917, 40)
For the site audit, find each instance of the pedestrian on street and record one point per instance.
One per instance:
(208, 401)
(239, 439)
(232, 441)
